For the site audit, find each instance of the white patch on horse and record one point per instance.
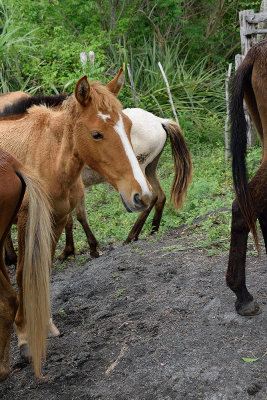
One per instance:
(103, 116)
(119, 128)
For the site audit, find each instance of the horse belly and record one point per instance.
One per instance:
(91, 177)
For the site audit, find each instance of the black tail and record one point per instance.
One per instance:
(241, 80)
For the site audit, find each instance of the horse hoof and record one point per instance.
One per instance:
(24, 353)
(248, 309)
(63, 256)
(94, 254)
(53, 331)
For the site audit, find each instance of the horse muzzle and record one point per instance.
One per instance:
(137, 204)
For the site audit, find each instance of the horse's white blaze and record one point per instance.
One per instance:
(103, 116)
(138, 174)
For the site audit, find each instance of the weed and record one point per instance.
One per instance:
(62, 313)
(116, 276)
(120, 292)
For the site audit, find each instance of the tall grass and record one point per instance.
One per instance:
(194, 87)
(14, 48)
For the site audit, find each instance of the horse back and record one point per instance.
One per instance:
(9, 98)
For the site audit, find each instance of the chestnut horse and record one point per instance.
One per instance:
(250, 83)
(36, 248)
(148, 136)
(90, 128)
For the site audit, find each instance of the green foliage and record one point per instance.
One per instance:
(40, 46)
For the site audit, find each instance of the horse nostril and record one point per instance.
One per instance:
(137, 200)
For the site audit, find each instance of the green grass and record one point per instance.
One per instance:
(211, 189)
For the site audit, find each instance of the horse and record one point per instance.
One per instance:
(35, 244)
(148, 136)
(249, 83)
(89, 128)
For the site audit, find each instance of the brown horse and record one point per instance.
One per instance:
(37, 234)
(250, 83)
(89, 129)
(148, 135)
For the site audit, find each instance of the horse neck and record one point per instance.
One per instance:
(69, 162)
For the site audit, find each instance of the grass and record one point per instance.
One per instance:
(211, 189)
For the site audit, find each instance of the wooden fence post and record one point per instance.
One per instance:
(169, 92)
(227, 112)
(246, 31)
(250, 126)
(132, 85)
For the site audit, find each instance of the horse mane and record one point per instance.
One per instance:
(21, 106)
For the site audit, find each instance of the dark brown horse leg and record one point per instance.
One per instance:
(263, 225)
(69, 246)
(235, 276)
(158, 201)
(82, 218)
(10, 254)
(136, 229)
(151, 173)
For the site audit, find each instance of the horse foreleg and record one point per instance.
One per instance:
(69, 246)
(20, 322)
(10, 254)
(58, 228)
(82, 218)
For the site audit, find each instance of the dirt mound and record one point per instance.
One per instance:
(149, 322)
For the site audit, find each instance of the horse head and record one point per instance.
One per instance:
(102, 140)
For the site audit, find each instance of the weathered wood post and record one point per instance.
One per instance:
(248, 38)
(227, 112)
(132, 85)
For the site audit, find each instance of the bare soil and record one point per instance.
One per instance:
(149, 322)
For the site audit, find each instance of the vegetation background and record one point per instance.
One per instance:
(40, 46)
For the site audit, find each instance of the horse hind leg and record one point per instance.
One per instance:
(82, 218)
(136, 229)
(69, 245)
(235, 275)
(158, 201)
(263, 225)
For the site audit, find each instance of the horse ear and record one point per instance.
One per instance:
(116, 84)
(82, 91)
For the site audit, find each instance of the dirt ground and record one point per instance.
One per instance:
(149, 322)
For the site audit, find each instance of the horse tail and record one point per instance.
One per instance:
(239, 144)
(182, 163)
(36, 269)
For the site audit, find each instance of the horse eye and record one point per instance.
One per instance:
(97, 135)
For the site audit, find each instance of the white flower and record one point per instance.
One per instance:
(92, 57)
(83, 58)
